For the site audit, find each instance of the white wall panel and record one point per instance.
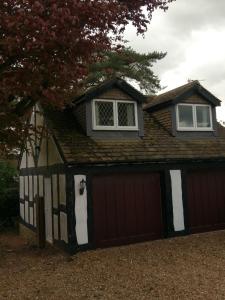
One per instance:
(177, 200)
(63, 227)
(31, 216)
(22, 211)
(21, 187)
(81, 211)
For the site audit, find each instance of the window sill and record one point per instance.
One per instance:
(115, 129)
(195, 130)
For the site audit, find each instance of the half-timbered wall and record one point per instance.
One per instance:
(50, 184)
(28, 183)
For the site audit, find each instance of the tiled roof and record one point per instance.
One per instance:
(166, 97)
(157, 143)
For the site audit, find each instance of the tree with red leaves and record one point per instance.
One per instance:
(47, 46)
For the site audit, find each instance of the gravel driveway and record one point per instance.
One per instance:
(191, 267)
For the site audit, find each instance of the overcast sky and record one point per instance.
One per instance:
(193, 34)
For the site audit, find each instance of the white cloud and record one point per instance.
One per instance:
(192, 32)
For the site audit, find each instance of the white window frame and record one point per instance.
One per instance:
(115, 116)
(194, 113)
(94, 125)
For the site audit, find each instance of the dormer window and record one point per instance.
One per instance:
(114, 115)
(194, 117)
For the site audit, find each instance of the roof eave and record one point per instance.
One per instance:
(173, 160)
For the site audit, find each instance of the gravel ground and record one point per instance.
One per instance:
(191, 267)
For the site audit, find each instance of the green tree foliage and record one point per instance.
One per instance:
(8, 193)
(127, 64)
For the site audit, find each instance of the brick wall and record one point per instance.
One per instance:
(164, 116)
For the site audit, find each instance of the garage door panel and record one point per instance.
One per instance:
(206, 200)
(127, 208)
(120, 214)
(100, 213)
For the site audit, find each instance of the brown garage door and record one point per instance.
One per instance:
(206, 200)
(127, 208)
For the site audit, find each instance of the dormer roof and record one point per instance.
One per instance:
(108, 84)
(178, 94)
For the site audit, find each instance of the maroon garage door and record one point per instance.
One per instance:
(206, 200)
(127, 208)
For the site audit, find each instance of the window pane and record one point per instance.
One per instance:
(185, 116)
(203, 116)
(104, 113)
(126, 114)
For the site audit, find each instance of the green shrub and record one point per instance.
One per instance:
(9, 194)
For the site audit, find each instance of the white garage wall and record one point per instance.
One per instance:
(81, 211)
(177, 200)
